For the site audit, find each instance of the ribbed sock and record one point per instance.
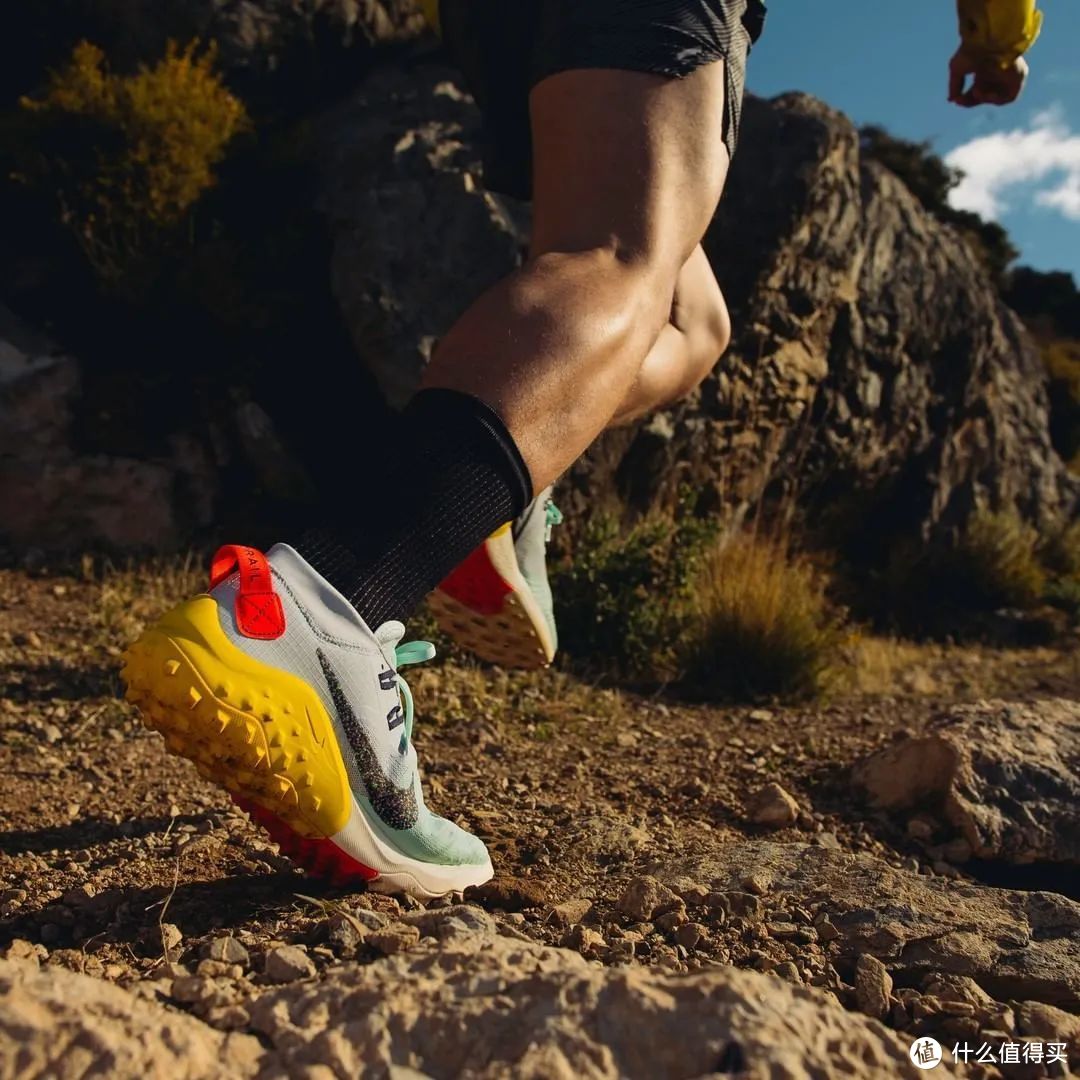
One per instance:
(452, 478)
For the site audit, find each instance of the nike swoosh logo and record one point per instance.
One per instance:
(396, 807)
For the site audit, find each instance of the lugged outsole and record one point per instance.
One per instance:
(489, 610)
(259, 732)
(265, 736)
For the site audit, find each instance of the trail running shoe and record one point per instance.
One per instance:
(275, 688)
(498, 602)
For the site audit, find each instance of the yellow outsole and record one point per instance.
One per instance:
(262, 733)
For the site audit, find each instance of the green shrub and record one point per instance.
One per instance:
(996, 564)
(762, 625)
(1060, 555)
(623, 599)
(127, 157)
(1062, 359)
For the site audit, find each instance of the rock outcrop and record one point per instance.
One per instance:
(1003, 779)
(1022, 945)
(274, 50)
(50, 491)
(59, 1025)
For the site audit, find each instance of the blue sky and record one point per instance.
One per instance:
(886, 63)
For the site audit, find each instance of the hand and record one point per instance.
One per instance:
(991, 84)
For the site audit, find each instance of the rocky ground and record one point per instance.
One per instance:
(681, 890)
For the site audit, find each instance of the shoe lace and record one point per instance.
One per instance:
(411, 652)
(552, 516)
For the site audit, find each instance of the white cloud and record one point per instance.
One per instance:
(1044, 157)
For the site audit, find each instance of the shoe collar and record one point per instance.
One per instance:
(334, 614)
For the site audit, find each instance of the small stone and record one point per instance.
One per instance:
(218, 969)
(873, 986)
(747, 905)
(26, 951)
(671, 921)
(760, 716)
(918, 828)
(773, 807)
(826, 931)
(170, 936)
(693, 895)
(345, 935)
(394, 939)
(690, 935)
(785, 931)
(287, 963)
(569, 912)
(645, 898)
(78, 896)
(1038, 1020)
(372, 920)
(789, 972)
(584, 939)
(509, 894)
(191, 989)
(228, 950)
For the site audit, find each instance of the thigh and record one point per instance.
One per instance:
(627, 160)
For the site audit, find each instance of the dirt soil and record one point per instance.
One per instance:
(118, 861)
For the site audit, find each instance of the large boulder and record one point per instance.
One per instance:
(475, 1005)
(1002, 778)
(873, 364)
(59, 1025)
(52, 494)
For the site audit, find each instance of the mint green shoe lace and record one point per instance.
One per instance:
(412, 652)
(552, 516)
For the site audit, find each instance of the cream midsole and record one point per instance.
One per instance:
(362, 843)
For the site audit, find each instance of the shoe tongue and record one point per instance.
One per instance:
(390, 634)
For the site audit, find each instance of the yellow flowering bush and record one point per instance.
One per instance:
(128, 156)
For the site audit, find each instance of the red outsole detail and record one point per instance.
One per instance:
(319, 856)
(477, 584)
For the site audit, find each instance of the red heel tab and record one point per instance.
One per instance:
(259, 613)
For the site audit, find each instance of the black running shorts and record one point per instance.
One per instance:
(505, 47)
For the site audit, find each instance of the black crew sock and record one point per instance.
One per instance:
(456, 476)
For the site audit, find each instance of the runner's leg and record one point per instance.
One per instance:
(628, 168)
(688, 347)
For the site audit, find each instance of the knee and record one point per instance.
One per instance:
(707, 332)
(628, 295)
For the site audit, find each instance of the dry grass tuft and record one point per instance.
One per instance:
(762, 626)
(131, 597)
